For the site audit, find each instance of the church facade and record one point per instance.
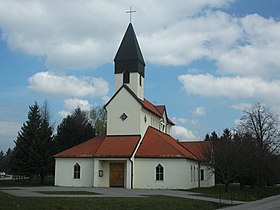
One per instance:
(138, 150)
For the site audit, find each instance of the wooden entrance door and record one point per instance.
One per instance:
(116, 174)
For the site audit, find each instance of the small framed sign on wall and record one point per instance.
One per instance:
(100, 173)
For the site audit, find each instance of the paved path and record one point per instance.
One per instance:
(270, 203)
(108, 192)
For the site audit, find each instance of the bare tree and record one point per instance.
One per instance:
(263, 126)
(98, 117)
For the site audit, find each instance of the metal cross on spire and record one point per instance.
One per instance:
(130, 13)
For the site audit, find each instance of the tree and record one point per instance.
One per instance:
(22, 159)
(263, 126)
(31, 154)
(73, 130)
(99, 118)
(245, 160)
(227, 157)
(224, 155)
(250, 154)
(41, 152)
(5, 160)
(2, 160)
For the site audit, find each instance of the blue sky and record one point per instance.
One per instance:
(205, 60)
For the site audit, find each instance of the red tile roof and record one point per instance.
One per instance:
(103, 146)
(117, 146)
(160, 108)
(156, 109)
(156, 144)
(200, 149)
(85, 149)
(151, 107)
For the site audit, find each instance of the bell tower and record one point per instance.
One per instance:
(129, 64)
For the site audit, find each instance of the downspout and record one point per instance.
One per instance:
(198, 173)
(131, 159)
(131, 177)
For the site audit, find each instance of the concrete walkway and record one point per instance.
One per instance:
(108, 192)
(270, 203)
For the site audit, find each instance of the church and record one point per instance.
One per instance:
(138, 150)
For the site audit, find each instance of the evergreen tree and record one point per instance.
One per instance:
(73, 130)
(32, 154)
(41, 150)
(22, 162)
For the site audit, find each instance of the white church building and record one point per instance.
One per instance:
(138, 150)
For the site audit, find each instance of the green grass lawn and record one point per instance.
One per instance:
(246, 194)
(68, 193)
(8, 202)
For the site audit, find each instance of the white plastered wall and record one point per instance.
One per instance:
(177, 173)
(64, 172)
(145, 125)
(209, 177)
(123, 102)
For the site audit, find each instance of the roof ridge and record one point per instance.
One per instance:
(158, 113)
(192, 141)
(188, 150)
(99, 146)
(122, 135)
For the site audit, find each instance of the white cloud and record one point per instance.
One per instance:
(9, 128)
(68, 86)
(182, 133)
(257, 50)
(84, 35)
(64, 113)
(73, 103)
(241, 106)
(180, 120)
(199, 111)
(231, 87)
(191, 39)
(237, 122)
(183, 120)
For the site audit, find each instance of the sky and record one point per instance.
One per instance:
(206, 60)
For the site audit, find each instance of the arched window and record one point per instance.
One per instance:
(77, 171)
(159, 173)
(126, 77)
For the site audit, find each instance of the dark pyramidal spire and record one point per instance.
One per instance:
(129, 57)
